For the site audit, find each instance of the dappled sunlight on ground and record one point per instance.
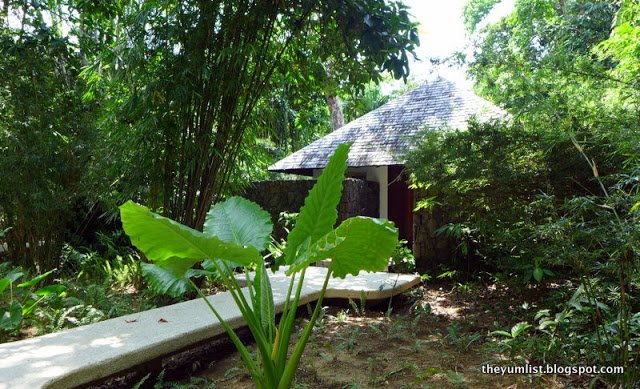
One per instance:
(440, 304)
(442, 345)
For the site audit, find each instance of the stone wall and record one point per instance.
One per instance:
(359, 197)
(429, 248)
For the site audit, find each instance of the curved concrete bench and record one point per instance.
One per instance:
(86, 354)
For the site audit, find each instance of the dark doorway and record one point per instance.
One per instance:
(400, 203)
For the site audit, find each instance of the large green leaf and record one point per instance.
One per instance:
(263, 304)
(168, 280)
(212, 266)
(239, 221)
(166, 242)
(319, 213)
(359, 243)
(175, 248)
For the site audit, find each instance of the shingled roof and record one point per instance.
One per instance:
(383, 136)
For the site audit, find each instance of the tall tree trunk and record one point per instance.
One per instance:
(335, 107)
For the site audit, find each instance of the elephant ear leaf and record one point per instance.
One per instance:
(175, 248)
(263, 299)
(168, 279)
(240, 221)
(368, 245)
(319, 213)
(359, 243)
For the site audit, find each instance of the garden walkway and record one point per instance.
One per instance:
(85, 354)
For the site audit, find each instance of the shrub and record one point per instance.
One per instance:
(402, 259)
(508, 190)
(533, 204)
(20, 302)
(46, 133)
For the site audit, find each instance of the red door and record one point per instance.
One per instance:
(400, 202)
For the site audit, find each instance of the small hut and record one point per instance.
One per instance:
(382, 137)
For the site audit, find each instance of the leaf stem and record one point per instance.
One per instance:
(294, 360)
(244, 353)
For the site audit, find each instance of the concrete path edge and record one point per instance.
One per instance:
(86, 354)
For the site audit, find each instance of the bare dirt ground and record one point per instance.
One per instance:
(433, 338)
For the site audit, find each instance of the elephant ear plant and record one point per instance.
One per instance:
(235, 233)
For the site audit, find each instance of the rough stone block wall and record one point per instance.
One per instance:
(429, 248)
(359, 197)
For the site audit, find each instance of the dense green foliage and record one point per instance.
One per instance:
(506, 185)
(178, 104)
(15, 311)
(93, 291)
(370, 98)
(552, 189)
(172, 103)
(234, 242)
(45, 135)
(188, 76)
(623, 44)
